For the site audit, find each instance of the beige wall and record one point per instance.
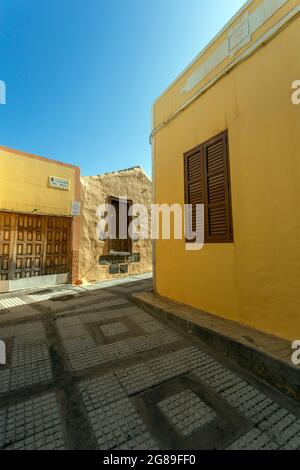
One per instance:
(132, 183)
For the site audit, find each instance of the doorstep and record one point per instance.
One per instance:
(266, 356)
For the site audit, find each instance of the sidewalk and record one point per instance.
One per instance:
(92, 370)
(264, 355)
(11, 302)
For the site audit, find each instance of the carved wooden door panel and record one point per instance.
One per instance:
(33, 245)
(29, 246)
(6, 245)
(58, 241)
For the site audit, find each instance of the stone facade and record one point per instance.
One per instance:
(95, 262)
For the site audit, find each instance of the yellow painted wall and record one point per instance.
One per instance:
(24, 184)
(256, 279)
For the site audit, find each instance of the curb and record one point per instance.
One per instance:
(279, 374)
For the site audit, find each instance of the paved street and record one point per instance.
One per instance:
(88, 369)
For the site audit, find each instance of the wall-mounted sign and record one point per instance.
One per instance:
(75, 208)
(59, 183)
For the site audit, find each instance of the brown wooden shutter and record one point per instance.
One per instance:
(218, 227)
(118, 244)
(194, 180)
(207, 182)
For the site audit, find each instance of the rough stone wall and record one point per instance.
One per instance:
(132, 183)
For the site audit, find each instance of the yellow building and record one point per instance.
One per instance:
(226, 133)
(39, 228)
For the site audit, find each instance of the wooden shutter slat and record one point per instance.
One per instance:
(194, 181)
(218, 211)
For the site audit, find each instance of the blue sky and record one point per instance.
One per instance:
(81, 75)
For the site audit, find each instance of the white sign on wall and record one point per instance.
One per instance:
(59, 183)
(75, 208)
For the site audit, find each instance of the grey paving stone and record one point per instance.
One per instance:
(153, 340)
(187, 412)
(68, 322)
(155, 371)
(117, 423)
(25, 333)
(72, 331)
(283, 427)
(137, 378)
(7, 332)
(4, 380)
(48, 296)
(32, 424)
(27, 354)
(113, 302)
(76, 331)
(249, 401)
(140, 317)
(30, 374)
(277, 426)
(28, 328)
(83, 353)
(120, 301)
(153, 326)
(105, 398)
(171, 365)
(2, 426)
(217, 376)
(114, 351)
(114, 329)
(142, 442)
(254, 440)
(15, 315)
(100, 391)
(31, 338)
(30, 361)
(106, 315)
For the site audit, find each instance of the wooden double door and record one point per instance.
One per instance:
(33, 245)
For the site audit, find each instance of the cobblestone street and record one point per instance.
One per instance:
(88, 369)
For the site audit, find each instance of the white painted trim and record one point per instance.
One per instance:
(34, 282)
(214, 39)
(194, 246)
(262, 41)
(240, 35)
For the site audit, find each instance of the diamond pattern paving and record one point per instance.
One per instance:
(34, 424)
(117, 423)
(114, 329)
(105, 395)
(30, 361)
(187, 412)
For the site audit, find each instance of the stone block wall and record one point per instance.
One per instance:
(95, 263)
